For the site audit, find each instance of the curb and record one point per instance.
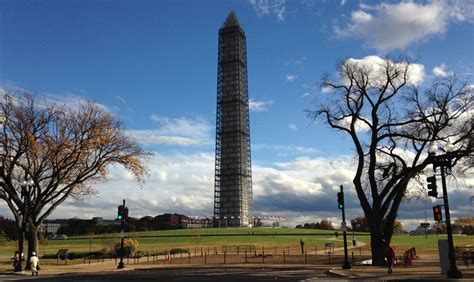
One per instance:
(348, 274)
(331, 272)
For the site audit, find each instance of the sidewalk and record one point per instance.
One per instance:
(109, 267)
(421, 270)
(417, 272)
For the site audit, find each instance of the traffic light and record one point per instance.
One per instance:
(120, 212)
(432, 186)
(340, 200)
(125, 213)
(437, 213)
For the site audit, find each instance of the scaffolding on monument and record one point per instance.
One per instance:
(233, 168)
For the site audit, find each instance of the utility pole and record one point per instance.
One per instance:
(341, 206)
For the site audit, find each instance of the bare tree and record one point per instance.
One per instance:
(391, 123)
(61, 151)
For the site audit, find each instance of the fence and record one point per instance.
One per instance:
(229, 254)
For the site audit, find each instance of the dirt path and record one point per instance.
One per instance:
(340, 249)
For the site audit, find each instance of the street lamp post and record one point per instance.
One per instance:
(25, 194)
(444, 163)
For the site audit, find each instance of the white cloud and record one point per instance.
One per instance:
(67, 99)
(297, 62)
(293, 127)
(155, 137)
(122, 100)
(259, 106)
(124, 103)
(162, 175)
(391, 26)
(278, 182)
(302, 189)
(343, 2)
(359, 126)
(198, 127)
(326, 89)
(270, 7)
(286, 149)
(180, 131)
(440, 71)
(461, 10)
(300, 61)
(374, 66)
(291, 77)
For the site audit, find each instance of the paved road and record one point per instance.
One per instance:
(251, 273)
(195, 274)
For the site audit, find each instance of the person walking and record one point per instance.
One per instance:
(389, 254)
(34, 264)
(16, 260)
(302, 246)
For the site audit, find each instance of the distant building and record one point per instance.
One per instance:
(49, 228)
(196, 223)
(180, 221)
(168, 221)
(102, 221)
(98, 219)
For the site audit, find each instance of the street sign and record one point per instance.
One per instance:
(343, 226)
(122, 234)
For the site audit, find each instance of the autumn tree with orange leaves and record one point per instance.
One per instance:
(61, 151)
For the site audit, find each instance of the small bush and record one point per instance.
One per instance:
(74, 255)
(129, 247)
(178, 251)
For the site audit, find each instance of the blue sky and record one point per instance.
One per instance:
(154, 64)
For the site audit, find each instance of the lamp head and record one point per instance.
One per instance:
(27, 183)
(432, 149)
(449, 147)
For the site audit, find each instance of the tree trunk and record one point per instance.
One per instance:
(388, 229)
(20, 238)
(32, 240)
(376, 243)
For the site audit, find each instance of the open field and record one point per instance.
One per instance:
(267, 237)
(271, 239)
(429, 245)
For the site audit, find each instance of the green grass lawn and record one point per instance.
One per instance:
(429, 245)
(250, 236)
(245, 236)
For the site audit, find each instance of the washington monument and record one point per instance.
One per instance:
(233, 168)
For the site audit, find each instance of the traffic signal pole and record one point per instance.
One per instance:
(453, 271)
(346, 264)
(121, 264)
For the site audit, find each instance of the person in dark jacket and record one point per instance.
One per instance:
(389, 254)
(302, 246)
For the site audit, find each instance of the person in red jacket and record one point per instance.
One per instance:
(389, 254)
